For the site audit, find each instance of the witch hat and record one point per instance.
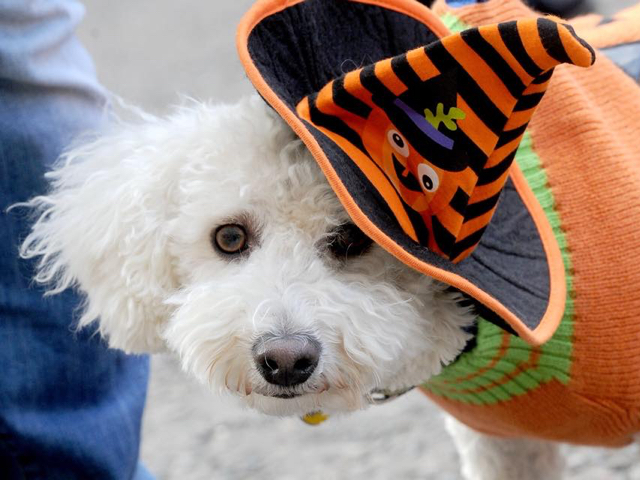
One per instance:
(419, 136)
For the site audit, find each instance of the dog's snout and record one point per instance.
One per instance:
(286, 361)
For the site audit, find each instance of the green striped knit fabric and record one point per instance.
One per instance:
(502, 366)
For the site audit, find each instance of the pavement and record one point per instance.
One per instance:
(152, 53)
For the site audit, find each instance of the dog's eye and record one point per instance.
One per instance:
(348, 241)
(230, 239)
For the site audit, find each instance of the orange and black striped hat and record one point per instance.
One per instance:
(416, 130)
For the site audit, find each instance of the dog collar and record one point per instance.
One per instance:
(381, 396)
(376, 397)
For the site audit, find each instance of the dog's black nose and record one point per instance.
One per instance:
(286, 361)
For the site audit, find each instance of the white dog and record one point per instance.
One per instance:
(213, 234)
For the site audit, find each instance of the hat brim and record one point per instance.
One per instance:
(291, 49)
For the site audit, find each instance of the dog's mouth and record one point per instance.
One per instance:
(285, 395)
(291, 392)
(282, 395)
(288, 394)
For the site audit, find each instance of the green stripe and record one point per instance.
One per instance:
(555, 357)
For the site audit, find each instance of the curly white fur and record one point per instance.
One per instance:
(129, 220)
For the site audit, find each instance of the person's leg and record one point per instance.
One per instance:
(69, 407)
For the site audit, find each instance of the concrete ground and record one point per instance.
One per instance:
(149, 52)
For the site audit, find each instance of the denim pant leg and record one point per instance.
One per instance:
(69, 407)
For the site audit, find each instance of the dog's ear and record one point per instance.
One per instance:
(102, 230)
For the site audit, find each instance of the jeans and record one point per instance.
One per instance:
(69, 407)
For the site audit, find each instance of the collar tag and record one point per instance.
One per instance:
(314, 418)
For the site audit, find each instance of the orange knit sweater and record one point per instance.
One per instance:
(581, 156)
